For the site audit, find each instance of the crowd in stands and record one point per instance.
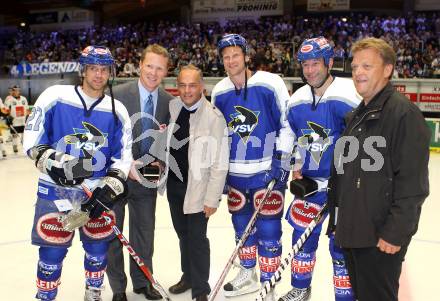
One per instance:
(273, 42)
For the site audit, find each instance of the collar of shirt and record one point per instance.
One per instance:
(194, 107)
(144, 95)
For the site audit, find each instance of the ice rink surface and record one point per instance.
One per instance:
(18, 183)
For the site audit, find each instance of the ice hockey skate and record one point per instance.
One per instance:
(245, 282)
(297, 294)
(93, 294)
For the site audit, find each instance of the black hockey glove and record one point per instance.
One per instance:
(111, 189)
(9, 120)
(303, 187)
(63, 169)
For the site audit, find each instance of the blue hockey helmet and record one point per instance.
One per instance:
(96, 55)
(314, 49)
(232, 39)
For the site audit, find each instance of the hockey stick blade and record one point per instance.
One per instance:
(267, 286)
(139, 261)
(241, 241)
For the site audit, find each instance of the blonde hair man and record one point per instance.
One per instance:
(379, 204)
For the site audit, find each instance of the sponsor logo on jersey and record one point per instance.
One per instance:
(243, 122)
(315, 140)
(341, 282)
(340, 264)
(270, 246)
(303, 267)
(302, 212)
(94, 275)
(306, 48)
(47, 269)
(43, 190)
(98, 228)
(47, 285)
(246, 253)
(50, 228)
(88, 140)
(269, 265)
(236, 200)
(274, 203)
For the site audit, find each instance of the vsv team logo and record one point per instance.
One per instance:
(89, 139)
(243, 122)
(315, 140)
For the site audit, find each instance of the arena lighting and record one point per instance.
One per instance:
(22, 24)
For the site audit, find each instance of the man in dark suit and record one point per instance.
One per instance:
(143, 99)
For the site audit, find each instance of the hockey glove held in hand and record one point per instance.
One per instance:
(111, 189)
(63, 169)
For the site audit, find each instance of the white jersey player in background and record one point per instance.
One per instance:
(3, 114)
(77, 134)
(17, 108)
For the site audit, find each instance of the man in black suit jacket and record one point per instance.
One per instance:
(142, 194)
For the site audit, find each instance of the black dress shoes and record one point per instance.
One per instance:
(179, 287)
(119, 297)
(202, 298)
(149, 292)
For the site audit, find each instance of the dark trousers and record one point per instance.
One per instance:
(194, 245)
(374, 275)
(142, 207)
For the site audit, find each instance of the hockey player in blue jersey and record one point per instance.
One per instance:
(316, 115)
(254, 106)
(77, 134)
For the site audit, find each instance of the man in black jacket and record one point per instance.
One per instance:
(380, 176)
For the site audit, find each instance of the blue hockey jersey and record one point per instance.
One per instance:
(317, 130)
(59, 120)
(254, 125)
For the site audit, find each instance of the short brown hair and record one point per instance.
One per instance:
(157, 49)
(191, 67)
(384, 49)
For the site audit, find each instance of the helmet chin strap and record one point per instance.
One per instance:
(322, 83)
(315, 103)
(238, 91)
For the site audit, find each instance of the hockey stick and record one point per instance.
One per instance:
(241, 242)
(131, 251)
(11, 127)
(285, 262)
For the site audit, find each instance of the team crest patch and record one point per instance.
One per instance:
(274, 203)
(236, 200)
(243, 122)
(50, 228)
(302, 212)
(89, 139)
(315, 140)
(99, 228)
